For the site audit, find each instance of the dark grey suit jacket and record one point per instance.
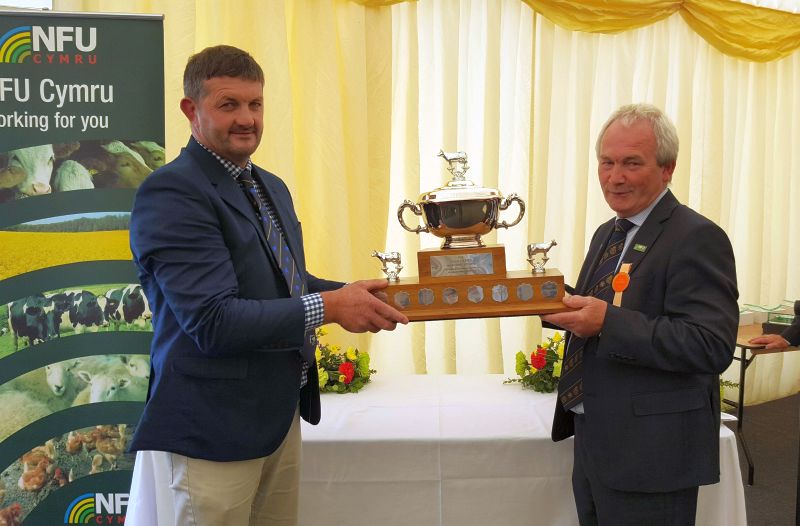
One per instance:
(792, 333)
(651, 378)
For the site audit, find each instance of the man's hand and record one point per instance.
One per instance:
(358, 307)
(770, 341)
(586, 321)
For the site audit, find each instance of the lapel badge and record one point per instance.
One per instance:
(638, 247)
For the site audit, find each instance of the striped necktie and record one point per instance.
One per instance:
(570, 385)
(275, 240)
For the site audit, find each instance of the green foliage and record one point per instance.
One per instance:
(542, 370)
(341, 372)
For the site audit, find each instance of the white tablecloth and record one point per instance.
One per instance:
(444, 450)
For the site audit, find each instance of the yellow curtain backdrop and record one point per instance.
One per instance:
(326, 124)
(361, 96)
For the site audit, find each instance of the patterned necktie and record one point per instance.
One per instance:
(275, 239)
(570, 385)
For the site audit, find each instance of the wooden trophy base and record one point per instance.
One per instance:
(474, 283)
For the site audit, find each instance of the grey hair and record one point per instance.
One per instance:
(664, 130)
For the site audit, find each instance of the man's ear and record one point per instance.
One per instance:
(189, 108)
(667, 172)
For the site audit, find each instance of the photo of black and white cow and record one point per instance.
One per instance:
(40, 317)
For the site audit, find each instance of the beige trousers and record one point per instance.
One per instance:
(262, 491)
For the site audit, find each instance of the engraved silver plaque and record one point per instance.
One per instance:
(402, 300)
(450, 296)
(462, 265)
(475, 294)
(549, 289)
(426, 296)
(500, 293)
(525, 291)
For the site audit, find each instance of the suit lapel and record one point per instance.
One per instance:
(227, 188)
(283, 212)
(593, 255)
(642, 243)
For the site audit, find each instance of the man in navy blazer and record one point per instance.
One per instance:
(234, 310)
(645, 408)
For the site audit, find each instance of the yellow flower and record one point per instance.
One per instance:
(560, 349)
(342, 378)
(321, 331)
(557, 337)
(352, 354)
(336, 348)
(318, 354)
(557, 369)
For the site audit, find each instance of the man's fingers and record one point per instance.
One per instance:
(373, 285)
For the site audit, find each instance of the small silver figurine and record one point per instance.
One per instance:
(391, 264)
(537, 255)
(457, 163)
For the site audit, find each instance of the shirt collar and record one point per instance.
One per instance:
(640, 218)
(233, 169)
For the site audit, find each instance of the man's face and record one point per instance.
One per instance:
(629, 174)
(229, 117)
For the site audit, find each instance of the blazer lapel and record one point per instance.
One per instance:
(283, 212)
(642, 243)
(593, 255)
(227, 188)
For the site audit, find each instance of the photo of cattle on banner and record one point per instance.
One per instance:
(34, 319)
(48, 168)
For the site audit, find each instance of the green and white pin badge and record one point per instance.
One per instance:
(638, 247)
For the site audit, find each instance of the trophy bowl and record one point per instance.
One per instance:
(460, 212)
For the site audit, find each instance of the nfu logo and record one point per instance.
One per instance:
(49, 45)
(97, 508)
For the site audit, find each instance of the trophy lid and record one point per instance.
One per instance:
(459, 188)
(459, 191)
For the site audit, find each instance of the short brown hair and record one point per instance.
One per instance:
(218, 61)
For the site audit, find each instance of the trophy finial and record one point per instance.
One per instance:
(457, 163)
(391, 264)
(537, 255)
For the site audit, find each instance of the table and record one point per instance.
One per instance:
(451, 450)
(745, 333)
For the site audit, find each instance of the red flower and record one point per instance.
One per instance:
(538, 361)
(348, 370)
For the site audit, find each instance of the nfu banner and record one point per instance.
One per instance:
(81, 126)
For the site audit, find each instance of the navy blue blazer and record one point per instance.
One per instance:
(227, 342)
(651, 378)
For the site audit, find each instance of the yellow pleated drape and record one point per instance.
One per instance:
(735, 28)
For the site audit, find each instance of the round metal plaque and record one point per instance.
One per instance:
(450, 296)
(500, 293)
(475, 294)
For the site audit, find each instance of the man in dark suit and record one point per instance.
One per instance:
(649, 335)
(789, 337)
(220, 256)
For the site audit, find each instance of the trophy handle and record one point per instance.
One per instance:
(417, 211)
(505, 203)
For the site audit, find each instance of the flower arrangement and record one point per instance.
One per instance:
(341, 372)
(542, 371)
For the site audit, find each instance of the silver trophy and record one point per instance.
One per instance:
(460, 212)
(537, 255)
(391, 264)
